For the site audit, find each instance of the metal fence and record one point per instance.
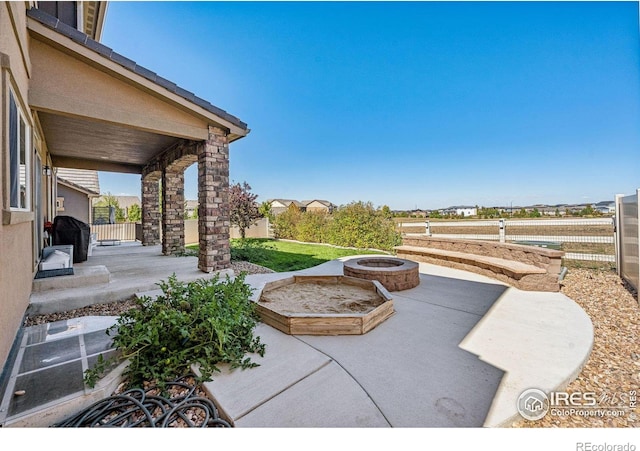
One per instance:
(113, 233)
(587, 239)
(628, 234)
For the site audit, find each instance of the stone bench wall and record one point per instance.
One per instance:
(549, 260)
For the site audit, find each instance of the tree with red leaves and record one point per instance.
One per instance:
(243, 206)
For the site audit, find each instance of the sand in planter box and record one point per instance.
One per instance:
(321, 298)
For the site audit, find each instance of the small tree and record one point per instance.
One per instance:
(243, 207)
(265, 210)
(135, 213)
(120, 216)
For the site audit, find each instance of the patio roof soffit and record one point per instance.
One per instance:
(77, 76)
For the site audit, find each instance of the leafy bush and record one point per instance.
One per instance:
(312, 227)
(357, 224)
(285, 224)
(360, 225)
(206, 322)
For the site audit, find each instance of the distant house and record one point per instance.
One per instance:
(281, 205)
(605, 207)
(126, 202)
(76, 189)
(460, 211)
(318, 205)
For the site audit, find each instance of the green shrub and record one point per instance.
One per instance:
(360, 225)
(312, 227)
(206, 322)
(285, 224)
(357, 224)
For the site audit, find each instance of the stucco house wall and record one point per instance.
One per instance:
(76, 204)
(16, 230)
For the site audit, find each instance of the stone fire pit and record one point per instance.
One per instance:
(324, 305)
(395, 274)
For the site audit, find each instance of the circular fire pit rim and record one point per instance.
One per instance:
(397, 264)
(394, 278)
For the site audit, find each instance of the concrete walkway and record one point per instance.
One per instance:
(130, 268)
(458, 352)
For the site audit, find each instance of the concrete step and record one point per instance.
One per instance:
(153, 294)
(65, 299)
(82, 277)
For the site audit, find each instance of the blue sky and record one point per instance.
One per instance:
(416, 104)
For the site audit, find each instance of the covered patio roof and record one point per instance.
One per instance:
(100, 110)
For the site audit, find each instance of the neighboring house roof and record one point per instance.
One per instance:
(326, 203)
(84, 40)
(191, 204)
(287, 202)
(80, 179)
(127, 201)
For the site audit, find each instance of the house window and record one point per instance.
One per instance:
(19, 158)
(60, 204)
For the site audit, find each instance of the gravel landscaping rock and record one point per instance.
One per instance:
(613, 369)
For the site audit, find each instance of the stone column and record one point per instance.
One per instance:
(151, 209)
(172, 211)
(213, 200)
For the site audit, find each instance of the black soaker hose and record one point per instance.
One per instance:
(139, 408)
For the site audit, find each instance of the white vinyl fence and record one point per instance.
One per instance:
(125, 231)
(628, 234)
(573, 231)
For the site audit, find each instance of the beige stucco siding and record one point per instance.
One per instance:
(14, 42)
(16, 270)
(15, 282)
(66, 85)
(76, 204)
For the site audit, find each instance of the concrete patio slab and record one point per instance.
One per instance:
(327, 398)
(539, 341)
(440, 361)
(411, 364)
(133, 268)
(286, 362)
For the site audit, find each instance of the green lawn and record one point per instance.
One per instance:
(285, 256)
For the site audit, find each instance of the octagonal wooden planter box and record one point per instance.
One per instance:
(314, 323)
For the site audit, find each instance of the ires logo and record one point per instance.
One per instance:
(534, 404)
(575, 399)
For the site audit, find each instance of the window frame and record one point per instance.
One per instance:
(22, 143)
